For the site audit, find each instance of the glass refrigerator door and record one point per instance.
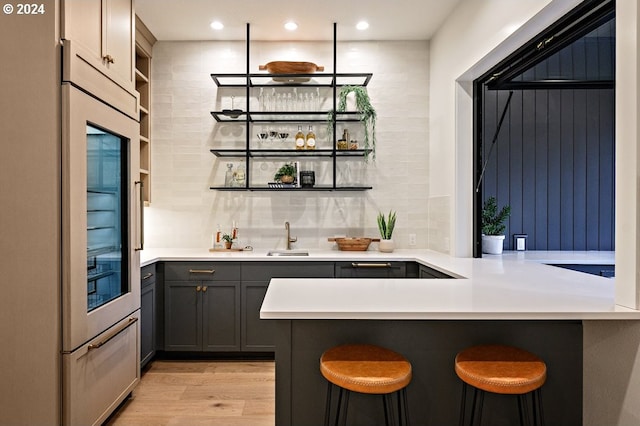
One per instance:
(107, 242)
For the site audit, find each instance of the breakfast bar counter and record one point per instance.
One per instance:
(514, 299)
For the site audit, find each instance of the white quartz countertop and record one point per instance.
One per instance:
(516, 285)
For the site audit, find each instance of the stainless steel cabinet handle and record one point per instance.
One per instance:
(141, 211)
(109, 59)
(371, 265)
(202, 271)
(113, 334)
(147, 276)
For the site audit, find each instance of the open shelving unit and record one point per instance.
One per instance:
(247, 117)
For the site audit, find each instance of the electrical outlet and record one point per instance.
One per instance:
(412, 239)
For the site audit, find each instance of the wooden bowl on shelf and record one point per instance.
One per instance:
(353, 243)
(290, 67)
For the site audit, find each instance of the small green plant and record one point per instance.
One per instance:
(367, 116)
(386, 225)
(228, 238)
(286, 170)
(492, 219)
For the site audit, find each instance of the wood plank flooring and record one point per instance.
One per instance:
(200, 392)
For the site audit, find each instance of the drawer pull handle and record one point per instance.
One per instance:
(198, 288)
(113, 334)
(202, 271)
(204, 288)
(371, 265)
(147, 276)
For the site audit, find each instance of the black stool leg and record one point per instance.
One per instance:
(403, 407)
(346, 406)
(327, 407)
(523, 411)
(387, 409)
(537, 407)
(463, 404)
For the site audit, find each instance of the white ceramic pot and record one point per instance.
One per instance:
(386, 246)
(492, 244)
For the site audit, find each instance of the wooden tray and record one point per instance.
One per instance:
(353, 243)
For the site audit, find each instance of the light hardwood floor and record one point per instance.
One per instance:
(198, 392)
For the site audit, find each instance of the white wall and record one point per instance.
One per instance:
(184, 211)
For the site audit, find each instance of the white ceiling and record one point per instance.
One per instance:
(388, 19)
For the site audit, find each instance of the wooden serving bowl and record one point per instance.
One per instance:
(290, 67)
(353, 243)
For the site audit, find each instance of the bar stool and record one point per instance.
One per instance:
(366, 369)
(502, 370)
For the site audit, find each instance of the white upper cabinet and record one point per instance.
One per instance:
(99, 45)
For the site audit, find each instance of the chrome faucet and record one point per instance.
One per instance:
(289, 239)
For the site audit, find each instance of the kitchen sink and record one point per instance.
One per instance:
(288, 253)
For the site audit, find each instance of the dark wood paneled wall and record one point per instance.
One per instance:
(554, 164)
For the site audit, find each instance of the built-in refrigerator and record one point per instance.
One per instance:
(101, 219)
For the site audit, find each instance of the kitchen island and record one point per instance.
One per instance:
(509, 299)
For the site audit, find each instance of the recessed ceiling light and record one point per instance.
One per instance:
(362, 25)
(291, 26)
(217, 25)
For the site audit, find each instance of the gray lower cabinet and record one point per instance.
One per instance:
(259, 335)
(427, 272)
(371, 270)
(147, 313)
(202, 306)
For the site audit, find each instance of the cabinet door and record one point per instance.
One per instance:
(147, 323)
(370, 270)
(118, 39)
(221, 316)
(183, 316)
(257, 335)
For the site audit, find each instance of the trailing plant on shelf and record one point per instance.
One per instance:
(367, 116)
(286, 170)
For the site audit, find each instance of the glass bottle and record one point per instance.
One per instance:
(239, 177)
(228, 175)
(300, 139)
(311, 139)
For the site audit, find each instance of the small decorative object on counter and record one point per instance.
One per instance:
(386, 231)
(493, 226)
(228, 241)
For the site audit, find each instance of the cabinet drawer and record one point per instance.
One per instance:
(202, 271)
(148, 275)
(370, 270)
(264, 271)
(97, 380)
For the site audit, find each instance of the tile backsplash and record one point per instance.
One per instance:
(184, 212)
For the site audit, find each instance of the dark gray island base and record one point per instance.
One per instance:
(431, 346)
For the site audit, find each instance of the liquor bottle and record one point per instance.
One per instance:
(311, 139)
(300, 139)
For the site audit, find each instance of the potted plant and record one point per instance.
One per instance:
(493, 226)
(228, 240)
(385, 226)
(285, 174)
(367, 116)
